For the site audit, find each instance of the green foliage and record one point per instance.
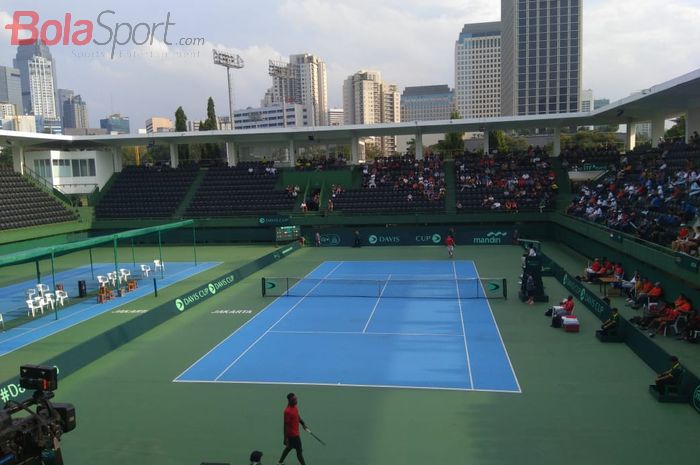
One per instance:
(677, 131)
(6, 156)
(454, 141)
(587, 139)
(209, 152)
(183, 150)
(372, 151)
(497, 141)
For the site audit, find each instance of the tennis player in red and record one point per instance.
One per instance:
(450, 243)
(291, 430)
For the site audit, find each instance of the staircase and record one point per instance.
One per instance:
(180, 212)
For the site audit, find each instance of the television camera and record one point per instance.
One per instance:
(33, 437)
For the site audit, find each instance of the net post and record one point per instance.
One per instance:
(505, 289)
(263, 286)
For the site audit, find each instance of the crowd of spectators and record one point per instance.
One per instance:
(415, 177)
(508, 182)
(320, 163)
(580, 159)
(652, 194)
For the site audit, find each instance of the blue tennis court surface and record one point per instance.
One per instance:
(12, 300)
(396, 332)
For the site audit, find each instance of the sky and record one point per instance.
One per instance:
(628, 45)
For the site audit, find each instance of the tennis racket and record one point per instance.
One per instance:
(315, 437)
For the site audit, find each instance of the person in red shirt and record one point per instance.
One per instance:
(450, 243)
(291, 430)
(566, 307)
(593, 270)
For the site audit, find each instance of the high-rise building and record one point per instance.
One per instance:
(116, 124)
(368, 100)
(43, 95)
(335, 117)
(158, 124)
(7, 110)
(601, 102)
(11, 88)
(586, 100)
(425, 103)
(25, 54)
(62, 95)
(75, 114)
(478, 70)
(540, 56)
(306, 84)
(271, 117)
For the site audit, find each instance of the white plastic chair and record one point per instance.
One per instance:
(112, 276)
(145, 269)
(42, 288)
(124, 275)
(30, 293)
(158, 265)
(103, 280)
(33, 306)
(2, 322)
(49, 300)
(61, 296)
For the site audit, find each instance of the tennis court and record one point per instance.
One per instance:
(404, 324)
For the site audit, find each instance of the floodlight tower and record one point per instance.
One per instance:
(229, 60)
(280, 69)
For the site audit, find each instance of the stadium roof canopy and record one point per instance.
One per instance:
(666, 100)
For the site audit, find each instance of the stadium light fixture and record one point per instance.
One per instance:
(228, 61)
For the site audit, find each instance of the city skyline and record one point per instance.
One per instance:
(619, 39)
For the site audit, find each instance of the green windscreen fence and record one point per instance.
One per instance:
(45, 280)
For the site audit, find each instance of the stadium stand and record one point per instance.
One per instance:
(578, 159)
(247, 189)
(504, 182)
(398, 184)
(650, 193)
(23, 205)
(147, 192)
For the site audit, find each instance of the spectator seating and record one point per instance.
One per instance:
(649, 194)
(504, 182)
(398, 184)
(577, 159)
(247, 189)
(146, 192)
(321, 163)
(23, 205)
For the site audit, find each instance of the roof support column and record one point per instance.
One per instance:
(631, 136)
(692, 122)
(486, 141)
(556, 143)
(116, 159)
(355, 149)
(419, 145)
(290, 154)
(174, 156)
(231, 154)
(18, 159)
(657, 129)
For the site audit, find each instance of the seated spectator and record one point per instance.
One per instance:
(670, 377)
(628, 287)
(565, 308)
(681, 240)
(649, 293)
(330, 206)
(611, 324)
(690, 331)
(593, 270)
(303, 207)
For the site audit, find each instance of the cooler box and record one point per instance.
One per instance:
(570, 324)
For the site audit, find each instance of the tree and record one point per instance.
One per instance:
(677, 131)
(209, 152)
(497, 141)
(372, 151)
(454, 141)
(586, 139)
(183, 151)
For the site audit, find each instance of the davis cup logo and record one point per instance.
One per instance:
(180, 305)
(372, 239)
(261, 220)
(437, 238)
(212, 289)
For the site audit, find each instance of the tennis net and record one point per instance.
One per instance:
(423, 288)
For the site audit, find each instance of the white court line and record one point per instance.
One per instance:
(78, 312)
(374, 309)
(381, 386)
(276, 322)
(239, 328)
(368, 334)
(488, 304)
(464, 331)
